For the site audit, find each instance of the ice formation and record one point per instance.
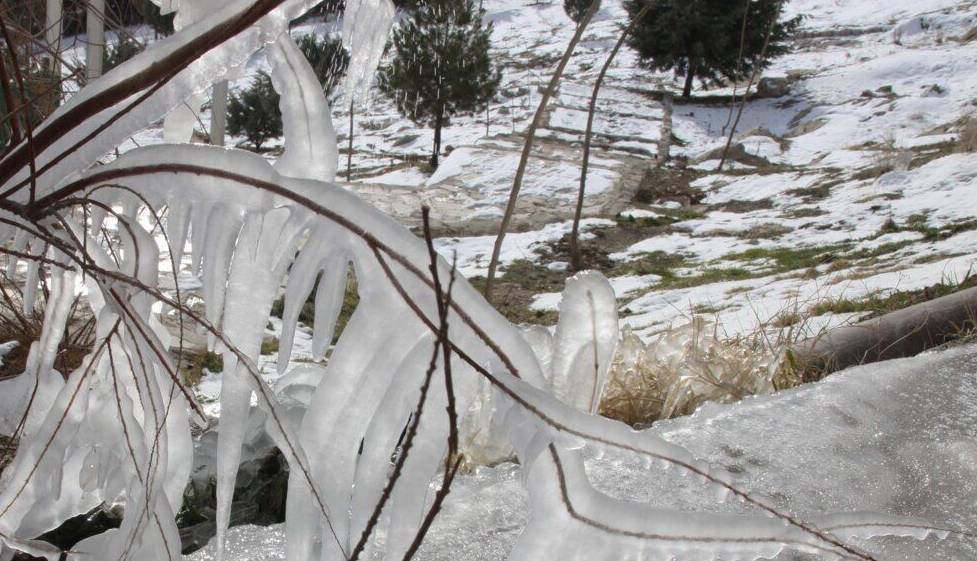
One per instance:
(117, 432)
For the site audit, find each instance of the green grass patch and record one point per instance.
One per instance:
(785, 259)
(192, 366)
(518, 285)
(877, 304)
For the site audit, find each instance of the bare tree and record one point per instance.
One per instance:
(528, 146)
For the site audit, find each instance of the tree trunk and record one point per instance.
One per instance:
(665, 139)
(52, 33)
(438, 123)
(95, 28)
(349, 152)
(689, 81)
(528, 146)
(576, 260)
(898, 334)
(218, 114)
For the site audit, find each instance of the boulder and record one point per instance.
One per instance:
(773, 87)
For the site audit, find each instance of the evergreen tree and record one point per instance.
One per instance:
(701, 38)
(441, 65)
(254, 114)
(328, 58)
(575, 9)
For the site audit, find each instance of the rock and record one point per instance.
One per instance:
(511, 93)
(805, 128)
(886, 90)
(934, 90)
(773, 87)
(404, 140)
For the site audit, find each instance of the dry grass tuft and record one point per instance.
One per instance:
(24, 328)
(686, 367)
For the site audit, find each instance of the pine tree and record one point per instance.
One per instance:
(575, 9)
(328, 58)
(254, 114)
(441, 65)
(701, 38)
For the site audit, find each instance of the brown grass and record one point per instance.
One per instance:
(25, 328)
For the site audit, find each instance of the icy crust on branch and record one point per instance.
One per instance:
(98, 135)
(571, 520)
(366, 25)
(74, 461)
(310, 139)
(364, 396)
(575, 362)
(586, 336)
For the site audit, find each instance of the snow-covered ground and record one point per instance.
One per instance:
(854, 185)
(895, 438)
(859, 159)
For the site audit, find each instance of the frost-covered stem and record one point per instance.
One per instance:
(404, 451)
(452, 461)
(749, 85)
(95, 31)
(561, 427)
(143, 84)
(87, 264)
(218, 114)
(443, 300)
(64, 415)
(528, 146)
(575, 260)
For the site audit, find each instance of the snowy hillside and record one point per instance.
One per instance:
(854, 183)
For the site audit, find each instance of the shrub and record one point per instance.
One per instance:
(254, 114)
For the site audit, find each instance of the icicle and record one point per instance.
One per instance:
(310, 139)
(366, 24)
(585, 338)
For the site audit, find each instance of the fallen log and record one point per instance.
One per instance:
(903, 333)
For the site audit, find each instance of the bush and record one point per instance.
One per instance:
(254, 114)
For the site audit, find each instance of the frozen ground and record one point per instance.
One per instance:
(895, 437)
